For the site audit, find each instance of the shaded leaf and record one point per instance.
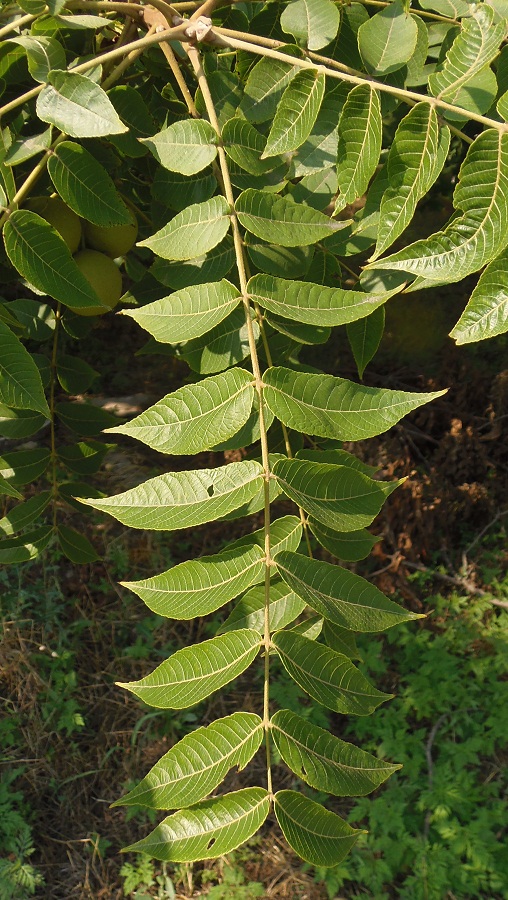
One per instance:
(324, 761)
(350, 546)
(297, 110)
(75, 546)
(85, 186)
(20, 380)
(364, 337)
(22, 515)
(316, 834)
(486, 314)
(249, 612)
(329, 677)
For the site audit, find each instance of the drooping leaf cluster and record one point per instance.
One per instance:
(260, 160)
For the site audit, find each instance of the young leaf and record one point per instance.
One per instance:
(338, 496)
(486, 314)
(334, 407)
(364, 337)
(476, 45)
(85, 186)
(192, 674)
(192, 232)
(208, 830)
(388, 40)
(360, 134)
(473, 238)
(77, 106)
(319, 836)
(279, 220)
(417, 156)
(324, 761)
(200, 586)
(197, 764)
(197, 416)
(186, 147)
(302, 301)
(313, 23)
(184, 499)
(285, 607)
(297, 111)
(41, 255)
(339, 595)
(329, 677)
(20, 380)
(188, 313)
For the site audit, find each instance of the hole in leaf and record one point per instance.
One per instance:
(210, 844)
(303, 772)
(209, 490)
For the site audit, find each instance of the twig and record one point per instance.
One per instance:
(462, 583)
(480, 534)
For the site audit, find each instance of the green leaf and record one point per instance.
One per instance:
(486, 314)
(416, 158)
(302, 301)
(179, 191)
(313, 23)
(226, 91)
(297, 111)
(23, 149)
(317, 835)
(476, 45)
(192, 674)
(324, 761)
(85, 457)
(339, 595)
(188, 313)
(340, 639)
(26, 546)
(19, 423)
(7, 490)
(223, 346)
(20, 380)
(43, 54)
(208, 830)
(192, 232)
(244, 145)
(329, 677)
(285, 534)
(265, 85)
(364, 337)
(84, 418)
(360, 134)
(284, 262)
(196, 416)
(200, 586)
(280, 220)
(285, 607)
(387, 41)
(22, 515)
(23, 466)
(41, 255)
(475, 237)
(338, 457)
(75, 546)
(185, 499)
(134, 113)
(335, 407)
(186, 147)
(85, 186)
(351, 546)
(77, 106)
(338, 496)
(198, 270)
(74, 374)
(197, 764)
(319, 151)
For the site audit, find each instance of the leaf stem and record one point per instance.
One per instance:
(195, 60)
(18, 23)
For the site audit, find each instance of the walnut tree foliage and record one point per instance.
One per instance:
(242, 136)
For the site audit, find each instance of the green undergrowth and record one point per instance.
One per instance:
(436, 829)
